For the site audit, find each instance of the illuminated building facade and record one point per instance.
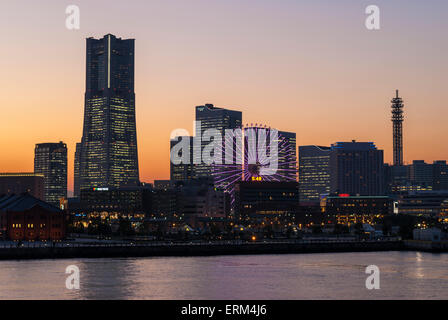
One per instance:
(76, 185)
(423, 203)
(266, 198)
(314, 173)
(287, 156)
(24, 217)
(18, 183)
(108, 152)
(50, 160)
(113, 201)
(347, 210)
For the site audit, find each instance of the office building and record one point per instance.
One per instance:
(133, 200)
(314, 173)
(76, 182)
(347, 210)
(211, 117)
(50, 160)
(356, 168)
(185, 170)
(287, 154)
(421, 174)
(108, 151)
(266, 198)
(440, 175)
(423, 203)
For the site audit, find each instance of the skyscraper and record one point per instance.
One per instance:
(287, 155)
(211, 117)
(76, 186)
(314, 173)
(182, 171)
(50, 160)
(356, 168)
(108, 151)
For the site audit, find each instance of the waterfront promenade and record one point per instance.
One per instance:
(108, 248)
(98, 249)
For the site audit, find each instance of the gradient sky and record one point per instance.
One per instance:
(310, 67)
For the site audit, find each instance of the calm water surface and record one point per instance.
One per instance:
(404, 275)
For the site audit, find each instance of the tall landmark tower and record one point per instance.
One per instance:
(107, 156)
(397, 120)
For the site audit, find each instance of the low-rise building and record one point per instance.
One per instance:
(429, 203)
(266, 198)
(24, 217)
(432, 234)
(348, 209)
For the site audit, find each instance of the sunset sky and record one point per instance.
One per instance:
(310, 67)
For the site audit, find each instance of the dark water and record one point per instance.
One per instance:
(404, 275)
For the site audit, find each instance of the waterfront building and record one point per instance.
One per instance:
(108, 153)
(24, 182)
(24, 217)
(347, 210)
(50, 160)
(124, 201)
(423, 203)
(418, 176)
(266, 198)
(314, 173)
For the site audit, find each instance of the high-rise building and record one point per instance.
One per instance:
(420, 173)
(183, 171)
(76, 185)
(287, 155)
(314, 173)
(211, 117)
(50, 160)
(108, 151)
(356, 168)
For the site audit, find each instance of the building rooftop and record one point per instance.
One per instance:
(23, 202)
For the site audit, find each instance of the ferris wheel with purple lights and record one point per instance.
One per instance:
(252, 157)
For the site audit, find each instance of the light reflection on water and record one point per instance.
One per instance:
(404, 275)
